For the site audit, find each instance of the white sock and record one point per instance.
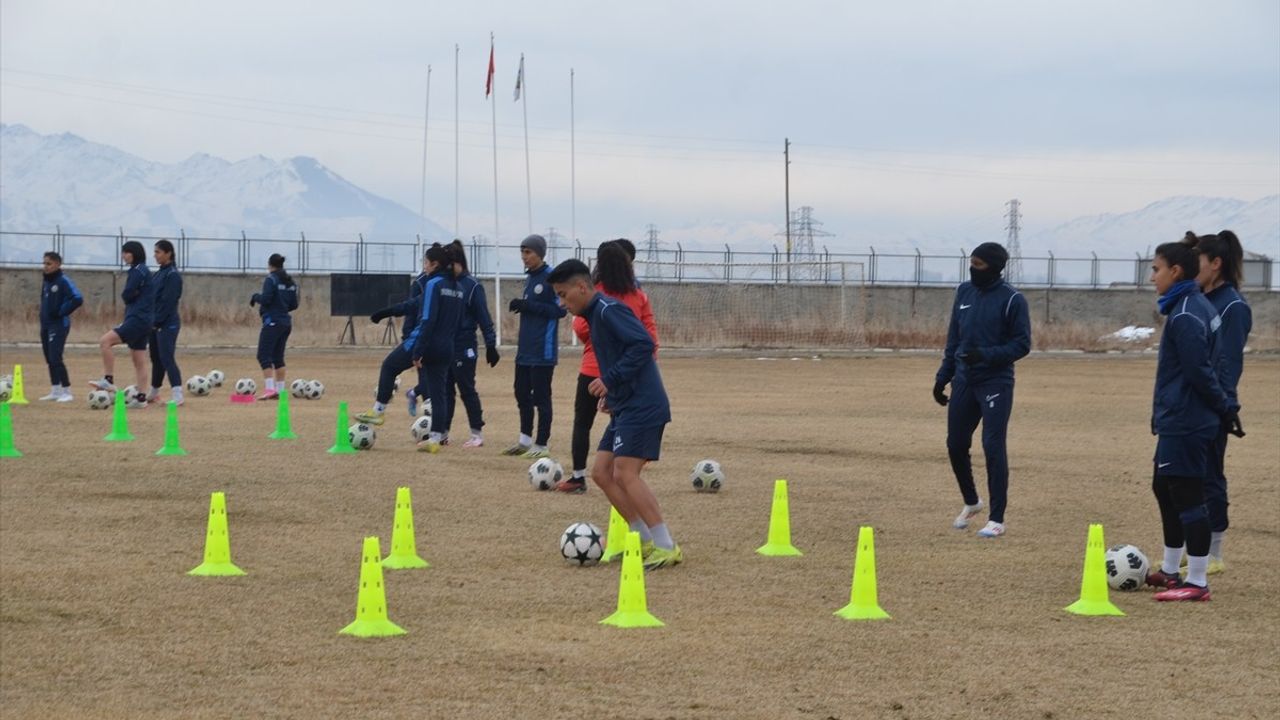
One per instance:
(478, 434)
(525, 440)
(1215, 545)
(662, 537)
(580, 474)
(640, 527)
(176, 393)
(437, 437)
(1196, 570)
(379, 407)
(1172, 557)
(155, 392)
(538, 448)
(271, 384)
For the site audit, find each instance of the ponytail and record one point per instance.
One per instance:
(277, 261)
(1224, 246)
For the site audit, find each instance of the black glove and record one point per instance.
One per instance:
(939, 396)
(379, 316)
(517, 305)
(973, 356)
(1231, 423)
(253, 300)
(491, 355)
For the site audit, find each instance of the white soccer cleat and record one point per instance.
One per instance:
(967, 513)
(992, 529)
(54, 394)
(64, 395)
(102, 385)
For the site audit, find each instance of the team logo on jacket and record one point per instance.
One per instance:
(53, 289)
(537, 289)
(1214, 324)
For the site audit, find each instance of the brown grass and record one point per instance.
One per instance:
(98, 619)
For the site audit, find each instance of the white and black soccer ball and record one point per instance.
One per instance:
(362, 436)
(707, 476)
(101, 400)
(1127, 567)
(298, 388)
(216, 377)
(420, 428)
(545, 473)
(6, 390)
(199, 385)
(246, 386)
(315, 389)
(131, 400)
(582, 544)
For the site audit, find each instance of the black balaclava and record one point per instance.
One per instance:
(996, 257)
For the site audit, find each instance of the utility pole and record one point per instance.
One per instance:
(1013, 271)
(786, 154)
(652, 252)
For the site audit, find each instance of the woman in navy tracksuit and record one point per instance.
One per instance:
(136, 328)
(462, 371)
(408, 309)
(1221, 271)
(167, 286)
(429, 346)
(990, 330)
(59, 297)
(1188, 411)
(278, 298)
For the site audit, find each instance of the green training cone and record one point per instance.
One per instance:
(863, 603)
(371, 602)
(615, 540)
(404, 545)
(284, 428)
(171, 444)
(633, 607)
(119, 421)
(341, 440)
(217, 542)
(779, 540)
(1094, 593)
(6, 433)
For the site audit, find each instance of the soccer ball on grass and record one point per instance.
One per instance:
(1127, 567)
(707, 476)
(361, 436)
(545, 473)
(582, 544)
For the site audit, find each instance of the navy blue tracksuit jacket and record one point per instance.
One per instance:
(166, 286)
(539, 321)
(475, 314)
(1188, 398)
(432, 338)
(276, 300)
(624, 350)
(997, 321)
(139, 300)
(1228, 352)
(409, 307)
(59, 297)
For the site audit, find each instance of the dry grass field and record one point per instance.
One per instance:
(99, 620)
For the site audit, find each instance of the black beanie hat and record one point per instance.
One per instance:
(993, 254)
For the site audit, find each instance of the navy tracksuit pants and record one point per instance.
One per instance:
(533, 390)
(1215, 486)
(462, 382)
(432, 375)
(990, 403)
(163, 345)
(53, 338)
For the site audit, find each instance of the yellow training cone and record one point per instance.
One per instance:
(863, 604)
(18, 396)
(217, 544)
(1094, 593)
(616, 539)
(371, 603)
(779, 544)
(404, 546)
(633, 608)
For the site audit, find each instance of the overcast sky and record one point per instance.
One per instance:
(922, 116)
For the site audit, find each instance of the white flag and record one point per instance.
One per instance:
(520, 77)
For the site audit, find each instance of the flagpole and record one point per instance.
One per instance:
(497, 248)
(426, 118)
(457, 225)
(528, 182)
(573, 169)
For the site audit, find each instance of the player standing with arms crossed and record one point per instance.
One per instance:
(537, 351)
(163, 341)
(59, 297)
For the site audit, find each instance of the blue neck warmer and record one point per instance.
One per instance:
(1180, 288)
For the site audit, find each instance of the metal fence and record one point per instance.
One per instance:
(247, 254)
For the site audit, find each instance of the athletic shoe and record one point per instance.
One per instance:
(429, 446)
(475, 442)
(272, 395)
(992, 529)
(102, 385)
(444, 440)
(646, 548)
(412, 401)
(1215, 566)
(53, 395)
(177, 401)
(373, 417)
(65, 396)
(516, 449)
(1163, 580)
(660, 558)
(967, 513)
(572, 487)
(1184, 592)
(535, 452)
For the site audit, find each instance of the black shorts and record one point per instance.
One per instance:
(629, 441)
(1183, 455)
(133, 333)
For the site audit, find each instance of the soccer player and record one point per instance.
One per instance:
(139, 304)
(630, 390)
(1188, 412)
(990, 330)
(614, 277)
(59, 297)
(536, 353)
(408, 309)
(1221, 271)
(429, 346)
(461, 380)
(278, 298)
(163, 342)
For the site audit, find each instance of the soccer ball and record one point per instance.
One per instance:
(6, 390)
(582, 544)
(216, 377)
(545, 473)
(100, 400)
(298, 388)
(199, 385)
(707, 476)
(314, 390)
(1126, 567)
(131, 398)
(421, 428)
(246, 386)
(362, 436)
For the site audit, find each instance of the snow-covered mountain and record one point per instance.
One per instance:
(82, 186)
